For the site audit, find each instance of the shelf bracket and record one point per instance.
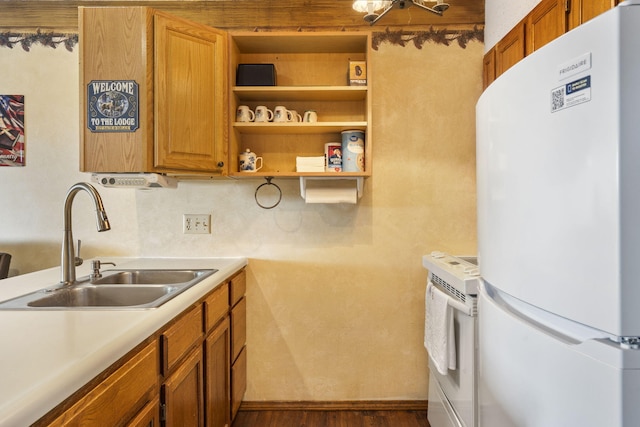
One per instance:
(331, 194)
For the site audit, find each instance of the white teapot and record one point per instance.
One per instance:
(248, 161)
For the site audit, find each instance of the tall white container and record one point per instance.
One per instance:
(353, 151)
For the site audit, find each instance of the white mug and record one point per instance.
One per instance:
(281, 114)
(295, 117)
(310, 116)
(263, 114)
(248, 162)
(245, 114)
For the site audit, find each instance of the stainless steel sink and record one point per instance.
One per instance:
(117, 289)
(148, 277)
(106, 296)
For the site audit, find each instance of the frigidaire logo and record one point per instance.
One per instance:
(572, 67)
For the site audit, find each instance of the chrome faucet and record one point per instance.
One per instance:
(68, 262)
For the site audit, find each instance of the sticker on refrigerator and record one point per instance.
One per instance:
(112, 106)
(571, 94)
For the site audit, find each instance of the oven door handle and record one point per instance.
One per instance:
(455, 304)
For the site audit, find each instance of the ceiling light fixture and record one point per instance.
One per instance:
(371, 8)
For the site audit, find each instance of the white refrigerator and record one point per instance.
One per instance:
(558, 176)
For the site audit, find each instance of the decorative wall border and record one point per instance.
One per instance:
(419, 38)
(10, 39)
(443, 36)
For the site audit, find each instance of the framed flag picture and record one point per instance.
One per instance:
(12, 130)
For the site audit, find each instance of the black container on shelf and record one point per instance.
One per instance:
(256, 75)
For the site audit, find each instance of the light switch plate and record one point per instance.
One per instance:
(196, 224)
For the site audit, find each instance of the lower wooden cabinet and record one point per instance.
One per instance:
(238, 303)
(183, 393)
(149, 416)
(187, 374)
(121, 398)
(218, 389)
(239, 381)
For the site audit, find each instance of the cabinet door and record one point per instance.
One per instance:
(218, 366)
(149, 416)
(546, 22)
(584, 10)
(183, 393)
(510, 49)
(489, 68)
(238, 381)
(238, 327)
(114, 47)
(191, 96)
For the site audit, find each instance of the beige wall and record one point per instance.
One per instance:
(335, 292)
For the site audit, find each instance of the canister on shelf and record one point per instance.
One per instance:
(353, 151)
(333, 157)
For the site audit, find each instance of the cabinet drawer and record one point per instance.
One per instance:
(238, 328)
(238, 381)
(216, 306)
(238, 287)
(180, 337)
(118, 398)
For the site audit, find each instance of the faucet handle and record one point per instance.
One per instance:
(78, 261)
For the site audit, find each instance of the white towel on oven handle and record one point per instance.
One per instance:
(439, 335)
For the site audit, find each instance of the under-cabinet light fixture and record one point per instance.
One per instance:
(376, 9)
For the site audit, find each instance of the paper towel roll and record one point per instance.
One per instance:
(331, 195)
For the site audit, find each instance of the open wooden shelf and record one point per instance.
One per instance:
(311, 74)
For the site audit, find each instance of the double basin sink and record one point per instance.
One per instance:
(116, 289)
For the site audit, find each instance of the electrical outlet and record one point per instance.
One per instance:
(196, 224)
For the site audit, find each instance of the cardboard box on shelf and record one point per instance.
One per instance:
(357, 73)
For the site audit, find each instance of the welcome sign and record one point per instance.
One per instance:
(112, 106)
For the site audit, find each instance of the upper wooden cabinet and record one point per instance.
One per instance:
(488, 68)
(153, 92)
(510, 49)
(584, 10)
(545, 23)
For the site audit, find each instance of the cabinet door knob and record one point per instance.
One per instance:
(220, 164)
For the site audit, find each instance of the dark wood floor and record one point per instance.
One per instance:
(316, 418)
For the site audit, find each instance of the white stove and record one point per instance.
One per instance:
(453, 398)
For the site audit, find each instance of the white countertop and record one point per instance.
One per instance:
(45, 356)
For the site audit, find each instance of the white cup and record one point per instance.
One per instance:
(310, 116)
(244, 114)
(281, 114)
(263, 114)
(295, 117)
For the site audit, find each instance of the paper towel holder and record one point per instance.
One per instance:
(303, 183)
